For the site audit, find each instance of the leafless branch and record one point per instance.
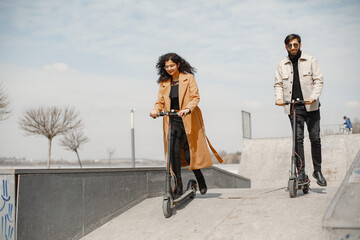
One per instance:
(4, 104)
(110, 152)
(50, 122)
(72, 142)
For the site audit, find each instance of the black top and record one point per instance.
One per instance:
(174, 96)
(296, 89)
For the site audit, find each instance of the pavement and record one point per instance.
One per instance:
(226, 214)
(263, 212)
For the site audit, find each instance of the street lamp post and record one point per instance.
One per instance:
(132, 111)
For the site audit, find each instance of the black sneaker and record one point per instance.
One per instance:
(201, 181)
(320, 178)
(178, 191)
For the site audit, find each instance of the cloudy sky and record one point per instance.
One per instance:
(99, 57)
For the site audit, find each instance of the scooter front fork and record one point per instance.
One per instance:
(293, 168)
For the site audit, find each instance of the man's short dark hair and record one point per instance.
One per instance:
(291, 37)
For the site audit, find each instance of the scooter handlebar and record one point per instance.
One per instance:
(296, 102)
(168, 113)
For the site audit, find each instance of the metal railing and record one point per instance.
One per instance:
(336, 129)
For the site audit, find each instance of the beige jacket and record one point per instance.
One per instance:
(310, 76)
(193, 123)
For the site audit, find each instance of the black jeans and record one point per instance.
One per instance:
(312, 120)
(178, 135)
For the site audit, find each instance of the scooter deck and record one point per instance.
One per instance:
(304, 184)
(186, 195)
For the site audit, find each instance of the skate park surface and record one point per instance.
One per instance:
(264, 211)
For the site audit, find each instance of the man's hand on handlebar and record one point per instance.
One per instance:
(309, 101)
(280, 102)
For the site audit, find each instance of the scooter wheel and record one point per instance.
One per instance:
(306, 190)
(167, 208)
(292, 188)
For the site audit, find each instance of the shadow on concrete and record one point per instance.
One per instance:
(299, 193)
(318, 190)
(209, 195)
(181, 205)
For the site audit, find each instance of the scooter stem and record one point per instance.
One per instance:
(293, 157)
(168, 175)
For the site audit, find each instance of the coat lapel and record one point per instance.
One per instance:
(183, 82)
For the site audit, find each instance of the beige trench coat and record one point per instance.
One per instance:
(310, 76)
(193, 122)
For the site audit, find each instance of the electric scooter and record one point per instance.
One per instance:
(169, 202)
(294, 184)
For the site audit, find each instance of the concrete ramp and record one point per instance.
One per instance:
(342, 219)
(267, 161)
(263, 212)
(225, 214)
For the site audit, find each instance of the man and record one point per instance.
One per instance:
(299, 77)
(348, 125)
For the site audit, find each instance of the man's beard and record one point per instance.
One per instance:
(295, 53)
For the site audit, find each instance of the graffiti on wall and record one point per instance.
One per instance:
(7, 223)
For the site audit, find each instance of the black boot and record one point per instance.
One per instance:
(178, 189)
(320, 178)
(201, 181)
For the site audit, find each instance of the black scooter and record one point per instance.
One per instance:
(294, 184)
(169, 202)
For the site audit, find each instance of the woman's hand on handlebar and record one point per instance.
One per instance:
(154, 114)
(183, 112)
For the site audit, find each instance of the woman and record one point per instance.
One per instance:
(178, 90)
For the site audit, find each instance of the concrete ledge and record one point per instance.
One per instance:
(342, 219)
(70, 203)
(272, 157)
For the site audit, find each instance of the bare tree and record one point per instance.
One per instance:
(4, 104)
(110, 152)
(72, 142)
(50, 122)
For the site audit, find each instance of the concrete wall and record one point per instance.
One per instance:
(272, 158)
(7, 205)
(68, 204)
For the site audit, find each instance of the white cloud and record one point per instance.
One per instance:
(353, 105)
(253, 105)
(58, 67)
(235, 45)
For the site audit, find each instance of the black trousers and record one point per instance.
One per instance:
(312, 120)
(178, 135)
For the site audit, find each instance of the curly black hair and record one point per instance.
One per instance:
(184, 67)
